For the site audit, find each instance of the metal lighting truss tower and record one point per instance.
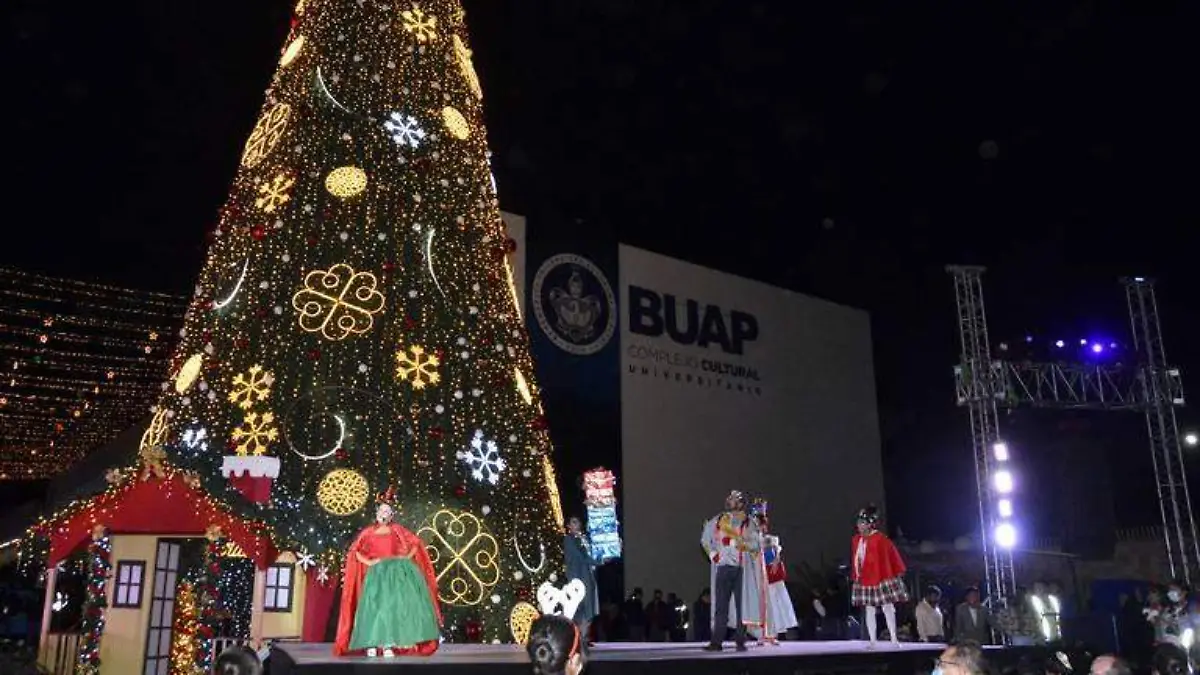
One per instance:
(978, 381)
(1150, 386)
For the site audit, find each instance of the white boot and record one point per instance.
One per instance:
(372, 653)
(871, 627)
(388, 653)
(889, 614)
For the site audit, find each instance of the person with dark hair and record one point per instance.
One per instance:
(971, 619)
(580, 565)
(961, 658)
(237, 660)
(555, 647)
(1168, 659)
(1109, 664)
(877, 572)
(930, 627)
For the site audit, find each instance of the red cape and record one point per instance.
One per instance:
(356, 572)
(883, 561)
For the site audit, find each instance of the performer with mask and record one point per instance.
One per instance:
(581, 566)
(754, 579)
(389, 592)
(781, 615)
(877, 572)
(726, 540)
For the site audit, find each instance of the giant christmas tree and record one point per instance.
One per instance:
(355, 326)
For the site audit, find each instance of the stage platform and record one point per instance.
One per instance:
(629, 658)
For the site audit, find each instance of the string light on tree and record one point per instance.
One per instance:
(387, 241)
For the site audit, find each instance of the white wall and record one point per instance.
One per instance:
(809, 442)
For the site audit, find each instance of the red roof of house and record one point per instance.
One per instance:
(165, 506)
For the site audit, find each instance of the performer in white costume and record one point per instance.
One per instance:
(727, 539)
(781, 615)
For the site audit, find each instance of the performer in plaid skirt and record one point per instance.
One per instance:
(877, 572)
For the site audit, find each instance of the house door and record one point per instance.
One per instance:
(162, 608)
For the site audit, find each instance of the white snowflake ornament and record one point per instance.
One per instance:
(483, 459)
(405, 130)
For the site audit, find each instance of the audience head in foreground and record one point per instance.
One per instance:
(555, 647)
(961, 658)
(1109, 664)
(1169, 659)
(237, 661)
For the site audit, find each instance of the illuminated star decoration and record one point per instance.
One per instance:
(483, 459)
(422, 27)
(273, 194)
(305, 560)
(419, 368)
(255, 434)
(253, 386)
(404, 130)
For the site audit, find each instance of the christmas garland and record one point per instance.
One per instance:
(96, 601)
(183, 631)
(208, 600)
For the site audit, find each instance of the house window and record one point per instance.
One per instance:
(279, 589)
(131, 574)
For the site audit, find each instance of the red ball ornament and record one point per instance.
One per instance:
(341, 454)
(258, 232)
(539, 423)
(313, 354)
(436, 433)
(261, 312)
(409, 323)
(389, 266)
(460, 491)
(474, 631)
(313, 240)
(241, 343)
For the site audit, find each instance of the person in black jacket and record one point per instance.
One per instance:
(702, 617)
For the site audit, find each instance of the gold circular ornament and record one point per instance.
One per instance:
(188, 373)
(343, 492)
(346, 181)
(456, 123)
(266, 134)
(292, 51)
(520, 621)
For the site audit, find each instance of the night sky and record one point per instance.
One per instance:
(844, 149)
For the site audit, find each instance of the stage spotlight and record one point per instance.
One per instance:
(1190, 439)
(1060, 344)
(1028, 338)
(1097, 347)
(1004, 481)
(1006, 535)
(1112, 345)
(1001, 451)
(1083, 342)
(1004, 508)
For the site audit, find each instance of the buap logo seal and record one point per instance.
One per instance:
(574, 304)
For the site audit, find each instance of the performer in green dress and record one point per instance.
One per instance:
(389, 594)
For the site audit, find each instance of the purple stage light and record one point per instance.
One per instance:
(1060, 344)
(1097, 348)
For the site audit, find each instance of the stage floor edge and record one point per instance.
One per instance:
(633, 658)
